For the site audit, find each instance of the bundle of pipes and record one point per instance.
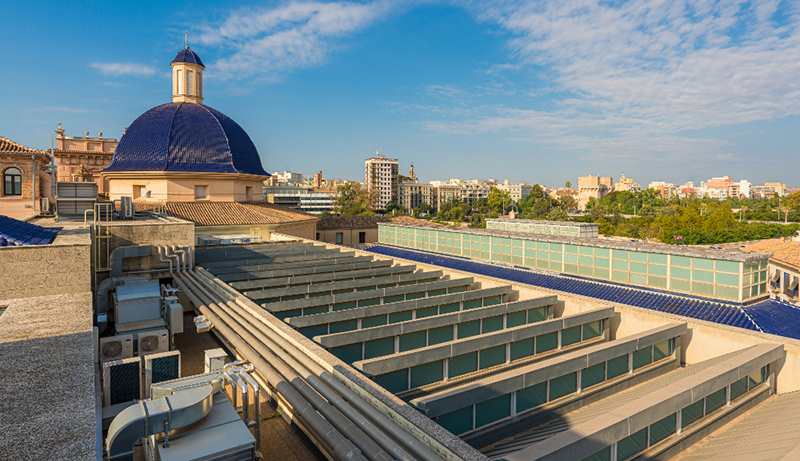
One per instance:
(237, 374)
(180, 253)
(352, 428)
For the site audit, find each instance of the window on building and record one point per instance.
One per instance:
(362, 237)
(180, 81)
(339, 238)
(189, 82)
(139, 191)
(200, 192)
(12, 182)
(317, 235)
(248, 193)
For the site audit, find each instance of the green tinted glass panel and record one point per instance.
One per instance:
(288, 314)
(515, 319)
(315, 310)
(348, 354)
(639, 279)
(642, 357)
(570, 248)
(570, 336)
(462, 364)
(378, 348)
(492, 324)
(702, 288)
(347, 325)
(620, 254)
(601, 273)
(393, 299)
(343, 306)
(317, 330)
(601, 262)
(715, 400)
(368, 322)
(593, 375)
(620, 265)
(546, 342)
(467, 329)
(738, 388)
(492, 301)
(427, 312)
(617, 366)
(658, 270)
(458, 421)
(571, 259)
(631, 445)
(537, 315)
(473, 304)
(394, 382)
(692, 413)
(440, 335)
(585, 270)
(702, 276)
(638, 256)
(755, 378)
(586, 250)
(437, 292)
(422, 375)
(619, 276)
(586, 261)
(563, 385)
(727, 279)
(702, 263)
(555, 265)
(680, 285)
(410, 296)
(492, 410)
(521, 349)
(639, 267)
(662, 350)
(602, 252)
(602, 455)
(571, 268)
(400, 317)
(493, 356)
(555, 256)
(531, 397)
(662, 429)
(369, 302)
(412, 341)
(448, 308)
(657, 282)
(592, 330)
(658, 258)
(682, 261)
(728, 266)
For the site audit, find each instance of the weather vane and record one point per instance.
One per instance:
(186, 38)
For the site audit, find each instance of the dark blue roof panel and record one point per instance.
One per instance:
(187, 55)
(183, 136)
(770, 316)
(14, 232)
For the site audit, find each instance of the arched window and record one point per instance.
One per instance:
(12, 182)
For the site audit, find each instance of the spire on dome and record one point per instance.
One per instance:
(187, 75)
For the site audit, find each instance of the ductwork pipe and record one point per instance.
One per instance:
(188, 250)
(176, 251)
(342, 448)
(407, 440)
(115, 260)
(150, 417)
(161, 258)
(370, 449)
(177, 260)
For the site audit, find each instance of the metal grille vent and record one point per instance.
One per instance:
(125, 382)
(112, 349)
(149, 344)
(166, 369)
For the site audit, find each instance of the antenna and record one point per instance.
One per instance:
(186, 39)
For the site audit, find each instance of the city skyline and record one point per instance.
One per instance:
(537, 93)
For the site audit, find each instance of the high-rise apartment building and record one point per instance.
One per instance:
(380, 177)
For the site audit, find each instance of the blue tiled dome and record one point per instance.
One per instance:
(187, 55)
(183, 136)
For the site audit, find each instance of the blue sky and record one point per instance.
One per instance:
(529, 91)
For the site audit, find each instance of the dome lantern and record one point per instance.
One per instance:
(187, 77)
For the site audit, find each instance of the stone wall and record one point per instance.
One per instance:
(62, 267)
(19, 206)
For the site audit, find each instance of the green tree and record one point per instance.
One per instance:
(394, 209)
(354, 200)
(498, 200)
(557, 214)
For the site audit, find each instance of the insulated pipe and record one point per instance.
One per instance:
(370, 449)
(161, 258)
(408, 441)
(342, 448)
(188, 249)
(363, 423)
(177, 260)
(176, 250)
(257, 397)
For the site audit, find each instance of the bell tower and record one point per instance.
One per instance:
(187, 77)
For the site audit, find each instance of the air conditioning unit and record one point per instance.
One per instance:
(116, 347)
(160, 367)
(45, 205)
(126, 207)
(152, 342)
(122, 381)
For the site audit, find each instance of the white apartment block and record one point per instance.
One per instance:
(380, 177)
(517, 192)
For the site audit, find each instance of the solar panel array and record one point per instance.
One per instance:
(723, 313)
(14, 232)
(776, 317)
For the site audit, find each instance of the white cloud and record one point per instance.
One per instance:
(269, 42)
(73, 110)
(116, 69)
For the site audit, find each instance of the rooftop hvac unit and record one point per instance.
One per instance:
(160, 367)
(126, 207)
(152, 342)
(137, 303)
(116, 347)
(122, 381)
(45, 205)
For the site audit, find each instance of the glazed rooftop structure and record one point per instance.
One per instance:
(565, 228)
(728, 275)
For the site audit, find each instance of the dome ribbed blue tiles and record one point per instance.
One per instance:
(187, 55)
(182, 136)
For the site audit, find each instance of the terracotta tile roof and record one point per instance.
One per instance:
(787, 252)
(231, 213)
(408, 219)
(7, 145)
(355, 222)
